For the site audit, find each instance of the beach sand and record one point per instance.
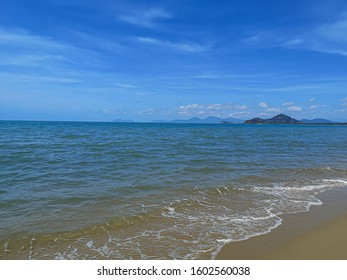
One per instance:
(320, 234)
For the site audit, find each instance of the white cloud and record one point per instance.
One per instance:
(189, 47)
(214, 107)
(273, 110)
(263, 105)
(344, 102)
(148, 112)
(314, 107)
(294, 108)
(240, 107)
(218, 110)
(290, 106)
(111, 112)
(191, 107)
(240, 115)
(147, 18)
(312, 99)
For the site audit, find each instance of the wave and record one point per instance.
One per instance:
(193, 223)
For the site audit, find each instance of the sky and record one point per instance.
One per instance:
(86, 60)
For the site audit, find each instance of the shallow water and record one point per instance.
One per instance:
(72, 190)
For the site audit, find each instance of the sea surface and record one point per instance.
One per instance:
(79, 190)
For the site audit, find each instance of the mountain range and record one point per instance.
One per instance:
(209, 119)
(319, 120)
(279, 119)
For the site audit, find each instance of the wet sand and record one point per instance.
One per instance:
(320, 234)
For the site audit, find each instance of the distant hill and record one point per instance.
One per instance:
(209, 119)
(316, 121)
(279, 119)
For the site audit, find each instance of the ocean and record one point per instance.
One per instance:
(84, 190)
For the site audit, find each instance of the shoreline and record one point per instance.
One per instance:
(318, 234)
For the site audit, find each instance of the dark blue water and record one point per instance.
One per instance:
(112, 190)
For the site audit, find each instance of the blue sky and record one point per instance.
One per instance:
(147, 60)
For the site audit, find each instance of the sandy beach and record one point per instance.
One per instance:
(319, 234)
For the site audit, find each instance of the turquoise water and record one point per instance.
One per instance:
(71, 190)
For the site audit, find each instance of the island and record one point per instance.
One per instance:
(279, 119)
(284, 119)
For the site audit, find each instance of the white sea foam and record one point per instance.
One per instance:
(340, 182)
(199, 224)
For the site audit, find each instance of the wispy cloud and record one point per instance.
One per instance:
(99, 42)
(124, 85)
(329, 37)
(293, 43)
(293, 88)
(20, 47)
(36, 79)
(28, 60)
(145, 18)
(326, 38)
(24, 39)
(334, 31)
(189, 47)
(344, 102)
(254, 40)
(214, 76)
